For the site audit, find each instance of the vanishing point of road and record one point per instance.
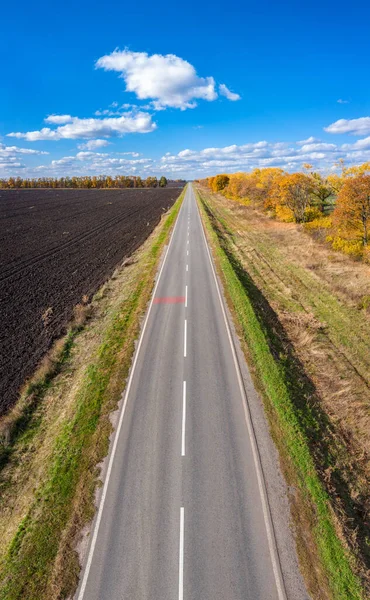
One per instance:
(183, 513)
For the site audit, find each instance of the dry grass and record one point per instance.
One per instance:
(316, 306)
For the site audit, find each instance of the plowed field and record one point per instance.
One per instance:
(55, 247)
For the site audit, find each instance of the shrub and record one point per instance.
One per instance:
(219, 182)
(352, 247)
(311, 213)
(283, 213)
(319, 223)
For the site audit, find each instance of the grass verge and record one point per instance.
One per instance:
(295, 426)
(51, 454)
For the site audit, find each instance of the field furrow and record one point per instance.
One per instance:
(56, 248)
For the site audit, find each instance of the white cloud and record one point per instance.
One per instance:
(290, 157)
(93, 144)
(107, 113)
(224, 91)
(340, 101)
(359, 126)
(167, 80)
(138, 122)
(9, 156)
(89, 155)
(114, 110)
(313, 147)
(66, 161)
(10, 150)
(95, 163)
(363, 144)
(195, 163)
(43, 134)
(310, 140)
(58, 119)
(133, 154)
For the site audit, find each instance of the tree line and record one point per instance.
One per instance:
(337, 205)
(101, 182)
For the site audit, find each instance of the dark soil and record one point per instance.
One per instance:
(57, 246)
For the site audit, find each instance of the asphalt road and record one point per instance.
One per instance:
(183, 514)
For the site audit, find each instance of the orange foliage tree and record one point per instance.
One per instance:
(260, 187)
(267, 186)
(218, 183)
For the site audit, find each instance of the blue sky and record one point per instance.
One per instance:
(285, 67)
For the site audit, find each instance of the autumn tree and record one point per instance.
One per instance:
(352, 212)
(151, 182)
(295, 193)
(357, 170)
(162, 181)
(210, 181)
(322, 190)
(266, 182)
(219, 182)
(335, 181)
(241, 185)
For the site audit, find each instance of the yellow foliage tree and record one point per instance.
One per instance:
(295, 194)
(352, 212)
(218, 183)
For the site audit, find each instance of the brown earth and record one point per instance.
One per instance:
(57, 247)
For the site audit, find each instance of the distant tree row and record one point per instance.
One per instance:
(338, 205)
(120, 181)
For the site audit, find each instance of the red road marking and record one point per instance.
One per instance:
(169, 300)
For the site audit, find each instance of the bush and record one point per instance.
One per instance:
(353, 248)
(219, 182)
(319, 223)
(283, 213)
(311, 213)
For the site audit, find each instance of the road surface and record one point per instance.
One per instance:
(183, 514)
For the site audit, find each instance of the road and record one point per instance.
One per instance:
(183, 514)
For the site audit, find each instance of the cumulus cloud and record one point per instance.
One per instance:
(11, 150)
(359, 126)
(6, 165)
(363, 144)
(310, 140)
(89, 155)
(167, 80)
(288, 156)
(66, 161)
(224, 91)
(134, 154)
(340, 101)
(106, 113)
(314, 147)
(58, 119)
(196, 163)
(77, 128)
(114, 110)
(96, 163)
(9, 156)
(93, 144)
